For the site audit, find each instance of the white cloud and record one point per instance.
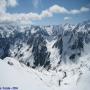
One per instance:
(84, 9)
(63, 10)
(29, 17)
(12, 3)
(6, 3)
(36, 3)
(81, 10)
(46, 13)
(67, 18)
(74, 11)
(3, 5)
(58, 9)
(22, 17)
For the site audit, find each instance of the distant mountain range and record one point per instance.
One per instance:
(46, 46)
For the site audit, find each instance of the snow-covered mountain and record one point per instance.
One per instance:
(60, 55)
(18, 76)
(44, 45)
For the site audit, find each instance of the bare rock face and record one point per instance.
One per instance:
(10, 63)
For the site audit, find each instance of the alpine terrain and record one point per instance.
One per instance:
(53, 57)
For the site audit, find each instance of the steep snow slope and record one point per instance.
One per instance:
(18, 75)
(65, 77)
(54, 53)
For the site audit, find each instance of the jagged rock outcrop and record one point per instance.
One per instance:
(29, 43)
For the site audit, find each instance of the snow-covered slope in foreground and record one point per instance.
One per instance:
(15, 74)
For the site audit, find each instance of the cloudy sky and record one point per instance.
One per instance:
(45, 11)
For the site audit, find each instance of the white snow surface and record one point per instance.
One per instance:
(18, 75)
(25, 78)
